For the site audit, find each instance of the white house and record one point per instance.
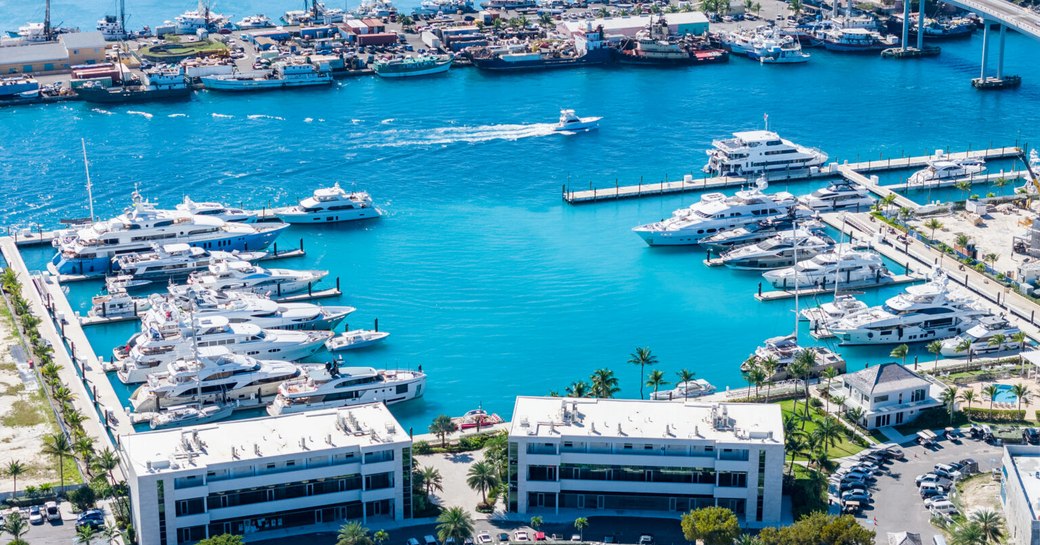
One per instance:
(267, 478)
(621, 455)
(889, 394)
(1020, 493)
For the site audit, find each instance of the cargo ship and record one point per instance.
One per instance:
(281, 76)
(405, 67)
(589, 49)
(165, 83)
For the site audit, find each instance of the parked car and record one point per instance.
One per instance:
(503, 537)
(521, 535)
(429, 540)
(926, 478)
(35, 515)
(944, 470)
(861, 496)
(847, 486)
(969, 466)
(576, 537)
(928, 502)
(1031, 436)
(483, 538)
(929, 490)
(943, 507)
(52, 511)
(646, 539)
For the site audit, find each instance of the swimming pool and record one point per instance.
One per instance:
(1004, 394)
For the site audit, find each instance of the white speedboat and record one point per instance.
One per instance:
(172, 261)
(323, 387)
(229, 378)
(216, 210)
(980, 336)
(685, 390)
(944, 168)
(832, 311)
(779, 251)
(254, 21)
(715, 213)
(752, 153)
(756, 232)
(330, 205)
(570, 122)
(243, 276)
(920, 314)
(849, 267)
(164, 340)
(189, 415)
(245, 307)
(358, 338)
(785, 348)
(840, 195)
(117, 304)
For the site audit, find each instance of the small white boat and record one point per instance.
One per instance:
(694, 388)
(570, 122)
(190, 415)
(358, 338)
(943, 168)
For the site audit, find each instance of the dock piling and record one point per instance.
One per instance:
(377, 324)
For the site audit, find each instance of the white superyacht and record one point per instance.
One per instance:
(330, 205)
(983, 339)
(245, 307)
(171, 261)
(850, 267)
(750, 153)
(839, 195)
(779, 251)
(244, 276)
(328, 386)
(943, 168)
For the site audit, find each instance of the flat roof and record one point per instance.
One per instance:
(639, 21)
(634, 418)
(33, 53)
(196, 447)
(76, 40)
(1027, 463)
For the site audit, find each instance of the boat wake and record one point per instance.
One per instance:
(145, 115)
(100, 111)
(263, 116)
(222, 116)
(469, 135)
(177, 115)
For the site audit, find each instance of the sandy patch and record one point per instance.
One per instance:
(980, 492)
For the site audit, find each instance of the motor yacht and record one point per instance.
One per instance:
(254, 21)
(685, 390)
(944, 168)
(245, 307)
(244, 276)
(782, 250)
(323, 387)
(216, 210)
(920, 314)
(756, 232)
(117, 304)
(570, 122)
(784, 349)
(981, 338)
(162, 341)
(849, 267)
(330, 205)
(358, 338)
(223, 379)
(189, 415)
(827, 313)
(714, 213)
(175, 261)
(839, 195)
(752, 153)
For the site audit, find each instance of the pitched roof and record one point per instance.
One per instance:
(882, 378)
(904, 538)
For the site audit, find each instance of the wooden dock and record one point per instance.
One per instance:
(851, 171)
(892, 280)
(101, 320)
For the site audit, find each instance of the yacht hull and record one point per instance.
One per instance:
(332, 216)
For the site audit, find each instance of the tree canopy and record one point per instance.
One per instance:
(222, 539)
(713, 525)
(819, 529)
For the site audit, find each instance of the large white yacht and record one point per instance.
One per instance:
(685, 390)
(243, 276)
(944, 168)
(165, 340)
(981, 335)
(171, 261)
(89, 251)
(785, 348)
(223, 379)
(330, 205)
(716, 212)
(751, 153)
(216, 210)
(245, 307)
(849, 267)
(839, 195)
(328, 386)
(825, 314)
(782, 250)
(756, 232)
(920, 314)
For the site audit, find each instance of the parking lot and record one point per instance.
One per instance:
(55, 532)
(896, 504)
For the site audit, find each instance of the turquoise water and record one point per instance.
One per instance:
(480, 271)
(1004, 394)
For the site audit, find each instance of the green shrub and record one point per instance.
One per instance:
(995, 415)
(422, 447)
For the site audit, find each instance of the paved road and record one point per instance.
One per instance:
(1018, 17)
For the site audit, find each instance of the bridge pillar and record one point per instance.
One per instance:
(906, 24)
(1000, 53)
(985, 42)
(920, 26)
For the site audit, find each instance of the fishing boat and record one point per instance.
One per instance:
(328, 386)
(942, 167)
(404, 67)
(782, 250)
(189, 415)
(685, 390)
(282, 75)
(358, 338)
(476, 419)
(162, 83)
(330, 205)
(175, 261)
(839, 195)
(245, 276)
(751, 153)
(216, 210)
(570, 122)
(843, 264)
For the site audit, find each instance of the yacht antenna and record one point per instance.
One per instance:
(90, 187)
(766, 118)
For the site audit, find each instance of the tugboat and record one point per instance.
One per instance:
(589, 49)
(165, 83)
(652, 46)
(423, 65)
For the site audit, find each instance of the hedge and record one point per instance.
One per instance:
(995, 415)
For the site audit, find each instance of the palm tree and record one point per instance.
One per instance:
(85, 534)
(454, 522)
(431, 479)
(1022, 392)
(991, 392)
(770, 366)
(536, 521)
(14, 469)
(997, 341)
(15, 525)
(84, 447)
(964, 186)
(796, 7)
(483, 477)
(442, 427)
(353, 533)
(900, 352)
(579, 388)
(935, 347)
(829, 431)
(991, 258)
(830, 374)
(381, 537)
(106, 461)
(964, 346)
(685, 377)
(933, 224)
(968, 396)
(545, 20)
(656, 380)
(58, 445)
(991, 525)
(802, 367)
(962, 240)
(642, 357)
(969, 533)
(949, 398)
(794, 444)
(580, 524)
(855, 414)
(604, 384)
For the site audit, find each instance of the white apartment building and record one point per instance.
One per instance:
(1020, 493)
(890, 394)
(268, 477)
(619, 455)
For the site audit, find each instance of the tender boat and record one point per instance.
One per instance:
(175, 261)
(476, 419)
(216, 210)
(756, 232)
(330, 205)
(570, 122)
(751, 153)
(244, 276)
(358, 338)
(785, 348)
(323, 387)
(189, 415)
(223, 379)
(920, 314)
(944, 168)
(716, 212)
(980, 336)
(839, 195)
(849, 267)
(250, 308)
(779, 251)
(685, 390)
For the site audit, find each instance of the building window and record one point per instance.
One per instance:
(879, 399)
(191, 506)
(190, 534)
(160, 494)
(918, 395)
(732, 479)
(738, 454)
(541, 473)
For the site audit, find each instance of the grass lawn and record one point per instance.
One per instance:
(843, 448)
(176, 51)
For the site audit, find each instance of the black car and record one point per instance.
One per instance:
(1031, 436)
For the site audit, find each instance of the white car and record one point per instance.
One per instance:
(928, 502)
(926, 478)
(483, 538)
(521, 535)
